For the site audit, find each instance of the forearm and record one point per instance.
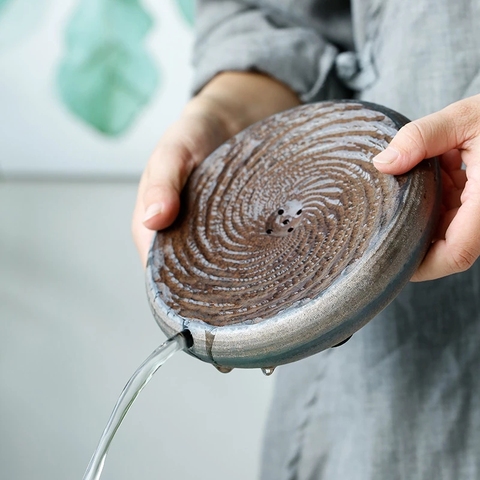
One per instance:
(239, 99)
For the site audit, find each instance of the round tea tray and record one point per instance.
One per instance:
(289, 239)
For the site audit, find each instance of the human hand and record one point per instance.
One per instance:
(228, 104)
(453, 134)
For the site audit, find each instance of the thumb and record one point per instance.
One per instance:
(429, 136)
(186, 144)
(158, 198)
(162, 183)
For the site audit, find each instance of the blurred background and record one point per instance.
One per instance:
(86, 89)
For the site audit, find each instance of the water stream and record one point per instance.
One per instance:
(134, 386)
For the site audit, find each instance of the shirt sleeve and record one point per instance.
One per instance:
(237, 35)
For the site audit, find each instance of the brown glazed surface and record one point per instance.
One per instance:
(276, 215)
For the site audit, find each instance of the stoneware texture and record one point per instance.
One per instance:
(290, 240)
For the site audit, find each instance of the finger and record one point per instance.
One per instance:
(450, 128)
(461, 246)
(451, 160)
(158, 198)
(164, 178)
(452, 199)
(451, 194)
(443, 224)
(142, 235)
(453, 179)
(183, 147)
(453, 175)
(458, 178)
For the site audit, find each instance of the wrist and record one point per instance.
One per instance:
(238, 99)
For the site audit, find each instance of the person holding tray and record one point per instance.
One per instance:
(401, 400)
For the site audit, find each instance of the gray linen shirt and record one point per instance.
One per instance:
(400, 400)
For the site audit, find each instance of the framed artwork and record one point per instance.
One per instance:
(88, 86)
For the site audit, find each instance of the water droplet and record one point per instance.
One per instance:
(267, 371)
(342, 342)
(222, 369)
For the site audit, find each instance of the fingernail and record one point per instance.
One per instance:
(389, 155)
(152, 210)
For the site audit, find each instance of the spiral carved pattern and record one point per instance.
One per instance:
(277, 214)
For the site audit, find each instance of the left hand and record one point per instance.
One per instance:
(453, 134)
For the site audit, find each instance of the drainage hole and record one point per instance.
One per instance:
(281, 211)
(290, 229)
(269, 231)
(286, 222)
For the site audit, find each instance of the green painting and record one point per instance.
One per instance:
(187, 8)
(3, 3)
(106, 76)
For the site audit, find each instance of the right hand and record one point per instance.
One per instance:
(228, 104)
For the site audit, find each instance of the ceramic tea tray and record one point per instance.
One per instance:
(290, 240)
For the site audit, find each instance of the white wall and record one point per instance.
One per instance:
(74, 318)
(75, 324)
(39, 135)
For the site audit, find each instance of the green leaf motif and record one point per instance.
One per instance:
(106, 76)
(187, 7)
(3, 3)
